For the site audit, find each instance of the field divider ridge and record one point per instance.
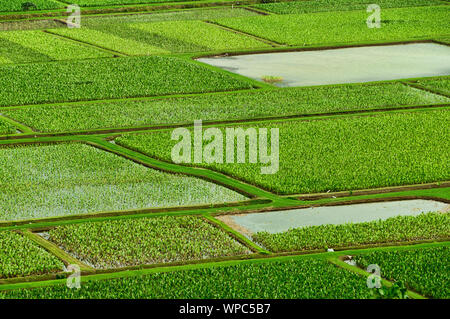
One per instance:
(236, 235)
(263, 40)
(87, 44)
(213, 176)
(20, 126)
(341, 264)
(55, 250)
(422, 88)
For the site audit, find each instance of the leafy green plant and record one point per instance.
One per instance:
(396, 291)
(19, 256)
(425, 270)
(272, 79)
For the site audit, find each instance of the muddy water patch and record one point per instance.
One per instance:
(346, 65)
(281, 221)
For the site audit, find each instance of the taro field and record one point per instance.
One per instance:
(262, 149)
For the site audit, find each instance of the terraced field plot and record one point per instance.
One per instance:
(395, 229)
(424, 270)
(309, 6)
(307, 278)
(336, 154)
(48, 47)
(145, 241)
(21, 257)
(108, 78)
(17, 5)
(229, 106)
(345, 27)
(69, 179)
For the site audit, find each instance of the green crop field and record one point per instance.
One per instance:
(67, 179)
(395, 229)
(50, 46)
(16, 5)
(345, 27)
(424, 270)
(308, 6)
(438, 85)
(336, 154)
(290, 279)
(244, 105)
(144, 241)
(107, 78)
(21, 257)
(109, 187)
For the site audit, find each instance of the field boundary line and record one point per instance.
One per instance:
(19, 126)
(87, 44)
(426, 89)
(339, 263)
(372, 191)
(262, 40)
(236, 235)
(207, 174)
(257, 258)
(265, 40)
(55, 250)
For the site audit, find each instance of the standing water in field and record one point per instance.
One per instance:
(280, 221)
(348, 65)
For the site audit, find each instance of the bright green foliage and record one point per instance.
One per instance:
(296, 7)
(88, 3)
(109, 41)
(54, 47)
(31, 25)
(345, 27)
(67, 179)
(19, 256)
(145, 241)
(6, 128)
(303, 279)
(11, 52)
(441, 85)
(197, 14)
(425, 270)
(335, 154)
(394, 229)
(108, 78)
(200, 34)
(240, 105)
(16, 5)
